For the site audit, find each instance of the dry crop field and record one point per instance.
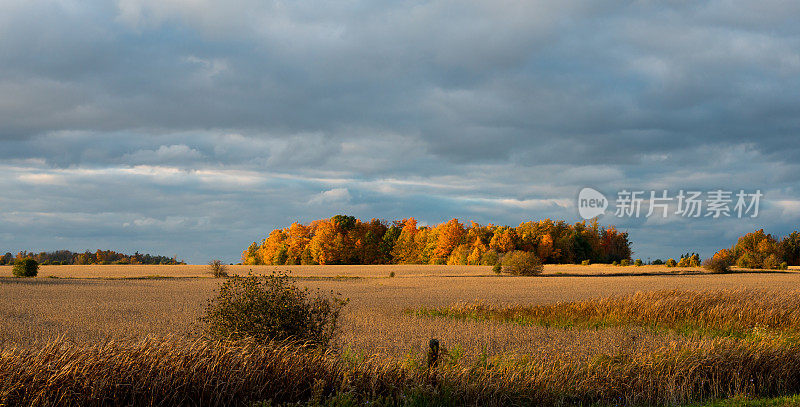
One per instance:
(575, 335)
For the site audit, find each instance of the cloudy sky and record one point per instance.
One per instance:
(194, 127)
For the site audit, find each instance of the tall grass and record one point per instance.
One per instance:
(739, 311)
(175, 371)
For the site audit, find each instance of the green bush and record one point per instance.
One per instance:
(625, 263)
(267, 308)
(391, 274)
(748, 261)
(614, 263)
(784, 266)
(497, 268)
(717, 265)
(671, 263)
(26, 267)
(658, 262)
(585, 263)
(522, 263)
(490, 258)
(638, 263)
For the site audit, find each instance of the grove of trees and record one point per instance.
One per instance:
(762, 250)
(66, 257)
(346, 240)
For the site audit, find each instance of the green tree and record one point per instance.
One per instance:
(26, 267)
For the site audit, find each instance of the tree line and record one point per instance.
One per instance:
(344, 239)
(760, 250)
(66, 257)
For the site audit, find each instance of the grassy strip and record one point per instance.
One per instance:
(785, 401)
(731, 313)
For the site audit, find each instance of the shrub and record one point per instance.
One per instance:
(614, 263)
(585, 263)
(658, 262)
(218, 269)
(625, 263)
(490, 258)
(717, 264)
(391, 274)
(772, 262)
(267, 308)
(671, 263)
(26, 267)
(497, 268)
(684, 262)
(522, 263)
(748, 261)
(638, 263)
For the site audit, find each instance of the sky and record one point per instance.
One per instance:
(192, 128)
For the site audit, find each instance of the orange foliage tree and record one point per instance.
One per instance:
(347, 240)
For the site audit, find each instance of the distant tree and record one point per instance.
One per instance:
(26, 267)
(790, 246)
(451, 234)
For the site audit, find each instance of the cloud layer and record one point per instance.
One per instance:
(193, 128)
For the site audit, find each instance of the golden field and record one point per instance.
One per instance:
(88, 302)
(389, 321)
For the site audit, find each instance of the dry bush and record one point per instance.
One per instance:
(522, 263)
(218, 268)
(717, 265)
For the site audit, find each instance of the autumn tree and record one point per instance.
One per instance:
(451, 234)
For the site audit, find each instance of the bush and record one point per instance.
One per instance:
(658, 262)
(522, 263)
(267, 308)
(614, 263)
(772, 262)
(671, 263)
(490, 258)
(784, 266)
(638, 263)
(26, 267)
(391, 274)
(218, 269)
(717, 264)
(748, 261)
(497, 268)
(585, 263)
(625, 263)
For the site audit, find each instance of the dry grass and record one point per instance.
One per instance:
(54, 337)
(720, 312)
(178, 372)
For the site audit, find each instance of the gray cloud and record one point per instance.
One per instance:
(157, 124)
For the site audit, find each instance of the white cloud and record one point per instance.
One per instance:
(336, 195)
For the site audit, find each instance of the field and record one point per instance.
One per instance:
(485, 322)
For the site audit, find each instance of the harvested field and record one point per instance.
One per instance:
(381, 328)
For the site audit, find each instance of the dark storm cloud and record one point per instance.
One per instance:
(197, 126)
